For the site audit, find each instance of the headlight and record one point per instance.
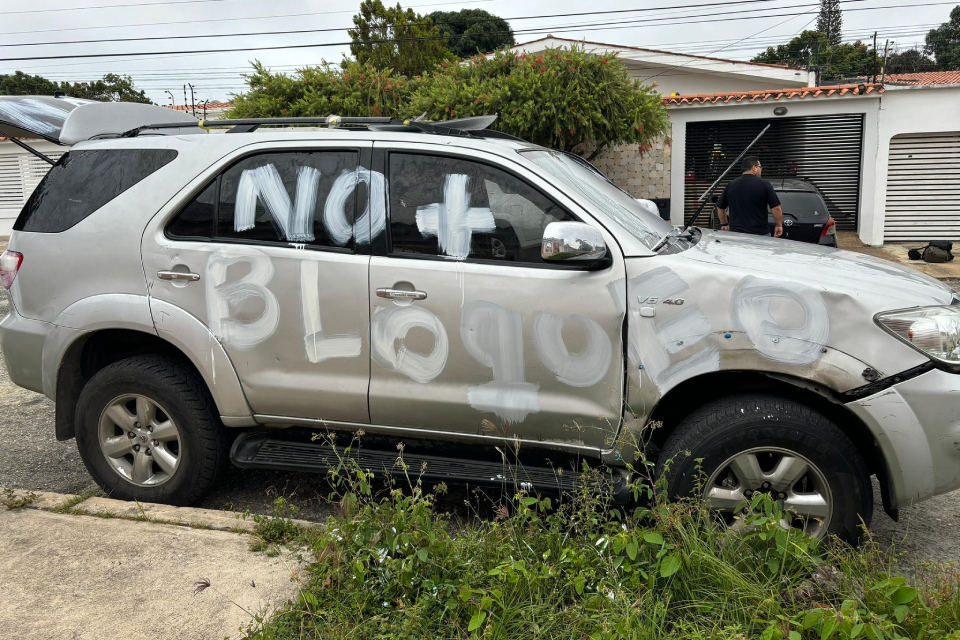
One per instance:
(934, 331)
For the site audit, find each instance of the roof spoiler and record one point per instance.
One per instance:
(67, 121)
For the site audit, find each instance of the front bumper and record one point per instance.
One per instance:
(916, 424)
(22, 342)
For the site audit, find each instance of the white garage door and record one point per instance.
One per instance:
(923, 188)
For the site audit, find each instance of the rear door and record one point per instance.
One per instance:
(264, 252)
(471, 332)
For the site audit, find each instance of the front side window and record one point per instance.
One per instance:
(304, 197)
(600, 192)
(456, 208)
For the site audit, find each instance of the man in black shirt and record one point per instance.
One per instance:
(747, 199)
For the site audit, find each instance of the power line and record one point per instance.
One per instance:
(111, 6)
(722, 48)
(224, 19)
(889, 31)
(339, 29)
(514, 19)
(439, 37)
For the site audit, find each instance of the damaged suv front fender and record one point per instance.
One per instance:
(916, 424)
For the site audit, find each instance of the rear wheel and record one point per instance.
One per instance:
(147, 430)
(758, 443)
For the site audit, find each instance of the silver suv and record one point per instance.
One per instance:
(191, 299)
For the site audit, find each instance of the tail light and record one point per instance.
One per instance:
(10, 262)
(830, 229)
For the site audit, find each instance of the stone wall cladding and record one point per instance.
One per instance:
(643, 175)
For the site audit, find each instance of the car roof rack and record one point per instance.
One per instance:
(472, 127)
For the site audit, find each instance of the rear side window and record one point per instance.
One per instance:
(82, 182)
(196, 219)
(295, 196)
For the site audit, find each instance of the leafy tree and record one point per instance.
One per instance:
(112, 88)
(944, 43)
(565, 99)
(23, 84)
(475, 30)
(830, 21)
(909, 61)
(813, 49)
(353, 89)
(398, 39)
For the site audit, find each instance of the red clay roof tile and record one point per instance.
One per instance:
(774, 94)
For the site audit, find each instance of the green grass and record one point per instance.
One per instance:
(394, 567)
(13, 499)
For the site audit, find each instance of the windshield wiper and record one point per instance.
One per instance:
(675, 234)
(666, 237)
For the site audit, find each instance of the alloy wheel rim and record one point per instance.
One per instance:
(139, 440)
(790, 479)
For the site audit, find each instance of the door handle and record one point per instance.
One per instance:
(400, 294)
(178, 275)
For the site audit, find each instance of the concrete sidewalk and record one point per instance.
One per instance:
(897, 252)
(97, 577)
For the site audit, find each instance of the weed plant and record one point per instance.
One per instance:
(578, 566)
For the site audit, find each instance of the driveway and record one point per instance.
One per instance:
(31, 458)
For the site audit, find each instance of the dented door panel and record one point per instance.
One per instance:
(502, 350)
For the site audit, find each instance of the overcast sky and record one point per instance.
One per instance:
(736, 31)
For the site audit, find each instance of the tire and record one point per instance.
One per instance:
(781, 436)
(177, 468)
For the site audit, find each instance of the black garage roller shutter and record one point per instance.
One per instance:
(825, 150)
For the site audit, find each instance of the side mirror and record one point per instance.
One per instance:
(573, 243)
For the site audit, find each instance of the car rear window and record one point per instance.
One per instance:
(802, 203)
(82, 182)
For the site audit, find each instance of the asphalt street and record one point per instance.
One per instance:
(31, 458)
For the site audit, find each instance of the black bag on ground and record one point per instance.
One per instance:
(935, 251)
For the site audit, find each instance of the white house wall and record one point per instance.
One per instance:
(686, 74)
(693, 82)
(905, 110)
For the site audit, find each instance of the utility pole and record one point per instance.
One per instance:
(816, 58)
(883, 67)
(874, 57)
(193, 102)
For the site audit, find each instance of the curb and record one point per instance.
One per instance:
(140, 511)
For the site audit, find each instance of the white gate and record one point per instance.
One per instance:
(923, 188)
(20, 173)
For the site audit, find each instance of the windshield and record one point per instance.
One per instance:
(593, 187)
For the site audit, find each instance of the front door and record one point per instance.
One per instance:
(471, 331)
(280, 277)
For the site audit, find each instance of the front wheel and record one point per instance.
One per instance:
(147, 430)
(759, 443)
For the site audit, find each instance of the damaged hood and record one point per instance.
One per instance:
(875, 283)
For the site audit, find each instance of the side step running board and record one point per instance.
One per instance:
(259, 450)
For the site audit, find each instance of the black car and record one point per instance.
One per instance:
(805, 215)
